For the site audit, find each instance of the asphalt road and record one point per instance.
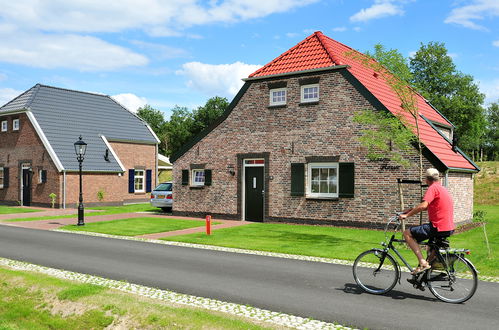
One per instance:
(310, 289)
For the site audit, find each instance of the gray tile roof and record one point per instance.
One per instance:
(64, 115)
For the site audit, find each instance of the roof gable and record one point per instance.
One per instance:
(319, 51)
(63, 115)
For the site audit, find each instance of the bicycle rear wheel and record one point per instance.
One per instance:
(456, 286)
(375, 271)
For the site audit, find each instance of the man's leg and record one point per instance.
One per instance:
(413, 244)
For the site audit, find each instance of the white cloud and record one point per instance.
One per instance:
(130, 101)
(495, 43)
(84, 53)
(339, 29)
(3, 76)
(222, 79)
(157, 17)
(380, 9)
(160, 51)
(491, 90)
(477, 10)
(7, 94)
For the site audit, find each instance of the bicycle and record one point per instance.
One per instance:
(452, 278)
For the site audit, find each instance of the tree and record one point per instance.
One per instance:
(205, 115)
(492, 132)
(451, 92)
(156, 120)
(178, 129)
(184, 124)
(393, 60)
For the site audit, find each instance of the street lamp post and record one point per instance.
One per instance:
(80, 149)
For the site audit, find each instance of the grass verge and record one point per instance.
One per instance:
(137, 226)
(103, 210)
(36, 301)
(486, 184)
(344, 243)
(15, 209)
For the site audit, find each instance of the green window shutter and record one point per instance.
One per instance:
(185, 177)
(347, 180)
(207, 177)
(297, 179)
(6, 177)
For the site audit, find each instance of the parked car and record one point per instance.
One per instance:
(162, 196)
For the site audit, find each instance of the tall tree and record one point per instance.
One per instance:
(178, 129)
(205, 115)
(156, 121)
(453, 93)
(492, 133)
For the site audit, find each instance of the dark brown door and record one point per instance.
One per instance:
(254, 192)
(26, 187)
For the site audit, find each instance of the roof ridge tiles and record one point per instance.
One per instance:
(72, 90)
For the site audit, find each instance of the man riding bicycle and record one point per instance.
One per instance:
(438, 202)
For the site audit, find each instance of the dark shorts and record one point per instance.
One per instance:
(427, 231)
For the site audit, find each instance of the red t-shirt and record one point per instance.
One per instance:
(440, 208)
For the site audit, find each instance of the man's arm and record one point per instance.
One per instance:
(420, 208)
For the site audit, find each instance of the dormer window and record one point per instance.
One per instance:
(309, 93)
(278, 96)
(445, 131)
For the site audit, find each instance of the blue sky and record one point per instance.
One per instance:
(182, 52)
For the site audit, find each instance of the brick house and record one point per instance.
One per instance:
(37, 156)
(287, 148)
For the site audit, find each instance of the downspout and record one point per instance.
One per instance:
(447, 179)
(157, 173)
(64, 189)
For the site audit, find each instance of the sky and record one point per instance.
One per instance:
(182, 52)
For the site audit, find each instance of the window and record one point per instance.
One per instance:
(322, 180)
(278, 96)
(15, 125)
(445, 131)
(1, 177)
(42, 176)
(4, 126)
(139, 181)
(197, 178)
(310, 93)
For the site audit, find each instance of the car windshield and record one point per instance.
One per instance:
(164, 187)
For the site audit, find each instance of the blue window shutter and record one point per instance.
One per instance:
(148, 180)
(131, 181)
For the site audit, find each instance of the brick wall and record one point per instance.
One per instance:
(460, 186)
(289, 134)
(24, 146)
(114, 186)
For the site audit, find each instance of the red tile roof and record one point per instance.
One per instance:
(319, 51)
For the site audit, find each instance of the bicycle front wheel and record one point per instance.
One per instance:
(375, 271)
(456, 284)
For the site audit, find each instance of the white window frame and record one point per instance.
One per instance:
(15, 124)
(311, 166)
(302, 93)
(5, 125)
(2, 176)
(193, 177)
(139, 183)
(277, 90)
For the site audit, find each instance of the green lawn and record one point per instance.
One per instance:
(15, 209)
(344, 243)
(102, 210)
(137, 226)
(36, 301)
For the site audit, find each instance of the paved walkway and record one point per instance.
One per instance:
(52, 224)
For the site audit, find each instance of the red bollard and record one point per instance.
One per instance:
(208, 225)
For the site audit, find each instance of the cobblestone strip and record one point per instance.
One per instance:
(244, 251)
(257, 314)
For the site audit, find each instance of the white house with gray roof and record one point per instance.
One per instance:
(37, 157)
